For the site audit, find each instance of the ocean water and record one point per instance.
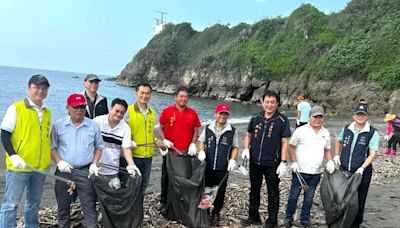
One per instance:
(14, 83)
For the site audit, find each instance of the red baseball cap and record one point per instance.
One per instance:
(76, 99)
(222, 108)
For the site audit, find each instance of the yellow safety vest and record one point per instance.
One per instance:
(30, 139)
(142, 131)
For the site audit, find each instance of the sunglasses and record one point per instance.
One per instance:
(80, 107)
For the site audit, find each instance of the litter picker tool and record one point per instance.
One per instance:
(303, 183)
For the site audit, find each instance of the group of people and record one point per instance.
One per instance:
(92, 135)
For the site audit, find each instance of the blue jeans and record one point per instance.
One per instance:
(16, 182)
(144, 165)
(312, 180)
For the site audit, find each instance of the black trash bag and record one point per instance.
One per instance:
(340, 197)
(120, 207)
(185, 186)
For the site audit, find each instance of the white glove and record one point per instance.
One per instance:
(336, 159)
(360, 170)
(133, 170)
(245, 154)
(64, 166)
(192, 149)
(386, 137)
(297, 122)
(295, 167)
(168, 143)
(17, 161)
(231, 165)
(330, 166)
(202, 155)
(281, 170)
(93, 169)
(134, 145)
(163, 152)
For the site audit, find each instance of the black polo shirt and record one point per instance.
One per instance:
(266, 138)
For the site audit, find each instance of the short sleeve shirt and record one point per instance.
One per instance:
(76, 145)
(310, 148)
(179, 126)
(115, 140)
(304, 108)
(373, 143)
(202, 137)
(10, 118)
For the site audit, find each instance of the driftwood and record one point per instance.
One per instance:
(236, 202)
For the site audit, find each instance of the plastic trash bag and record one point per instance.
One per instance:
(121, 207)
(340, 197)
(185, 187)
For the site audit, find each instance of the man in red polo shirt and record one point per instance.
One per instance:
(179, 130)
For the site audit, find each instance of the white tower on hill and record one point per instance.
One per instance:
(160, 23)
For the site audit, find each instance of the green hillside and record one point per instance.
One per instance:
(362, 41)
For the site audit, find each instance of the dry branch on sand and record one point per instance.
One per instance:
(236, 201)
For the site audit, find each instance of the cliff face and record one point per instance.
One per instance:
(338, 97)
(333, 59)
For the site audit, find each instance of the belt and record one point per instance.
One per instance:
(82, 167)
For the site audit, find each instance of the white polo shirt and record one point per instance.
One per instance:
(115, 139)
(310, 148)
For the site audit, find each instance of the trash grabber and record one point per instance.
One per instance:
(50, 175)
(70, 183)
(112, 167)
(303, 183)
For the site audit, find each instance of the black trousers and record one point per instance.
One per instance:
(212, 178)
(362, 195)
(164, 181)
(257, 173)
(392, 143)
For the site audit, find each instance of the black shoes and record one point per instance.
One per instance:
(250, 221)
(268, 224)
(214, 221)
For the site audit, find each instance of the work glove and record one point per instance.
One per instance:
(17, 161)
(192, 149)
(202, 155)
(168, 143)
(134, 145)
(281, 170)
(386, 137)
(336, 160)
(360, 170)
(245, 154)
(115, 183)
(133, 170)
(330, 166)
(163, 152)
(295, 167)
(64, 166)
(297, 122)
(93, 169)
(231, 165)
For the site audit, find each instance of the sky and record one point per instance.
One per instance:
(102, 36)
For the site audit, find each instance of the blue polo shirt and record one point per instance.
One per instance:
(76, 145)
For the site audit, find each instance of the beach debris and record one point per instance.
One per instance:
(236, 202)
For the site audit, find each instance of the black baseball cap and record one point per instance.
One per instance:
(39, 79)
